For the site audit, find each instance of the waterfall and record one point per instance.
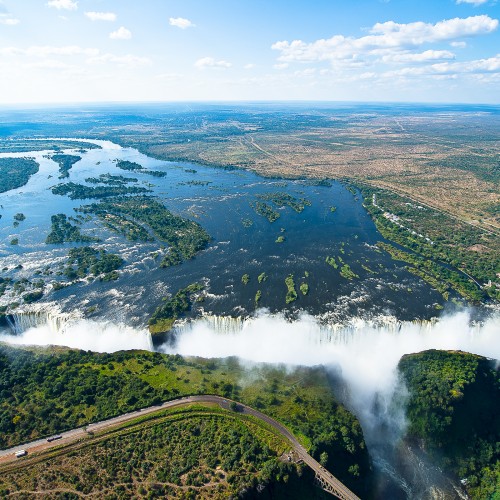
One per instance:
(45, 324)
(50, 317)
(319, 331)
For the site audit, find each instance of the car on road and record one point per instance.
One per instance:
(53, 438)
(21, 453)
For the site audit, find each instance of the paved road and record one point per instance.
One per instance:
(332, 484)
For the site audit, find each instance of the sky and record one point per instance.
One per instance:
(70, 51)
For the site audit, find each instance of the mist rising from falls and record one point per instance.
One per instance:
(37, 316)
(366, 354)
(70, 330)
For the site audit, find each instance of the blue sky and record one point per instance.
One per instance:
(170, 50)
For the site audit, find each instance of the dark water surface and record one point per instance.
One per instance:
(243, 243)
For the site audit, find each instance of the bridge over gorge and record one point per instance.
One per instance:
(324, 479)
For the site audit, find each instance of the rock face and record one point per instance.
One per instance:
(453, 414)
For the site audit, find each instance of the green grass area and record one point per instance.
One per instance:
(45, 391)
(165, 315)
(331, 262)
(128, 165)
(453, 408)
(19, 145)
(265, 210)
(347, 273)
(82, 192)
(16, 172)
(65, 162)
(89, 261)
(136, 217)
(110, 179)
(63, 231)
(281, 199)
(291, 294)
(135, 167)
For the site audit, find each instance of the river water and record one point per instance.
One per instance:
(243, 242)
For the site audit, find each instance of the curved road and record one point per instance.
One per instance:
(327, 480)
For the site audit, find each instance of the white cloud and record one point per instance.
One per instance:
(281, 66)
(210, 62)
(5, 16)
(473, 2)
(181, 22)
(49, 64)
(121, 34)
(129, 61)
(388, 35)
(428, 55)
(101, 16)
(169, 77)
(249, 66)
(458, 45)
(6, 20)
(478, 66)
(63, 4)
(47, 50)
(305, 73)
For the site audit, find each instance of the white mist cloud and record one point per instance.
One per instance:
(121, 33)
(273, 339)
(367, 355)
(101, 16)
(63, 4)
(181, 23)
(84, 334)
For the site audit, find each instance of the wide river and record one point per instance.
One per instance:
(333, 224)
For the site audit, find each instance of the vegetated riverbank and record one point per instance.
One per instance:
(452, 413)
(439, 245)
(76, 387)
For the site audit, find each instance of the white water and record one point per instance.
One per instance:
(367, 354)
(47, 329)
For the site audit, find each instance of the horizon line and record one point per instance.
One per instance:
(110, 103)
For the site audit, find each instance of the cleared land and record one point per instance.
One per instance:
(448, 160)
